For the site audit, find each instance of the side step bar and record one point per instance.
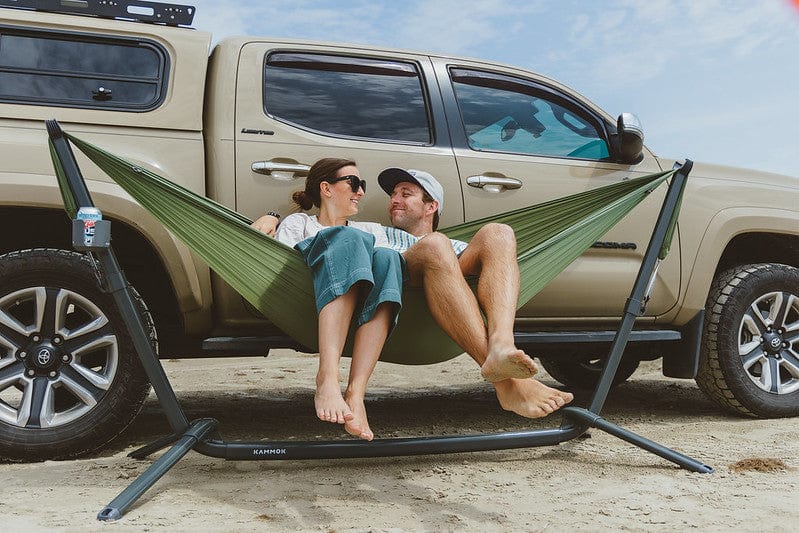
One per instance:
(257, 345)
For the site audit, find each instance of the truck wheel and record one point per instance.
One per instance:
(584, 373)
(70, 380)
(750, 348)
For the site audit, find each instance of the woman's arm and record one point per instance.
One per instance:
(267, 224)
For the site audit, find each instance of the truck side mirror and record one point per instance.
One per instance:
(631, 138)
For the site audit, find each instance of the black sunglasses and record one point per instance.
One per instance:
(355, 182)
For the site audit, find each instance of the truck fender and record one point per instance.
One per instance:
(189, 275)
(722, 228)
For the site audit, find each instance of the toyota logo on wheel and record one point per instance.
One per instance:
(43, 356)
(775, 342)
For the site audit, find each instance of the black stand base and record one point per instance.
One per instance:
(196, 438)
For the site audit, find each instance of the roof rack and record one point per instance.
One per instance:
(138, 10)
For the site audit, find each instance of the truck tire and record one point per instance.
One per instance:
(750, 347)
(584, 373)
(70, 379)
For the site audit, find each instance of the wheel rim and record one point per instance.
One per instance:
(768, 342)
(58, 357)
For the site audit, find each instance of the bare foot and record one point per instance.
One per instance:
(330, 405)
(359, 425)
(501, 365)
(530, 397)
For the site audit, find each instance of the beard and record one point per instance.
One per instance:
(399, 220)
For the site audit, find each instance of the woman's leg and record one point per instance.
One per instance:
(340, 261)
(344, 259)
(379, 313)
(334, 323)
(369, 340)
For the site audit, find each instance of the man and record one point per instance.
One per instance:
(440, 265)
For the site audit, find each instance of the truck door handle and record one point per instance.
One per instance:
(493, 183)
(281, 171)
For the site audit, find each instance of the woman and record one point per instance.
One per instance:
(355, 274)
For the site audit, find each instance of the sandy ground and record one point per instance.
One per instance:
(596, 483)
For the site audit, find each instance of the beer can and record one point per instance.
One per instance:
(89, 216)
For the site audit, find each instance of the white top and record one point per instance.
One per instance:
(299, 226)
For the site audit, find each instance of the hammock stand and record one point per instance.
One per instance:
(201, 435)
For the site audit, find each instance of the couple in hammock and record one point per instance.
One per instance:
(359, 269)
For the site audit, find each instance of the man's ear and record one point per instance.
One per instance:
(431, 207)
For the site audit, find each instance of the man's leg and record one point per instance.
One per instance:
(491, 254)
(432, 264)
(529, 397)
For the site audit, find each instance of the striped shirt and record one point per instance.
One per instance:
(401, 240)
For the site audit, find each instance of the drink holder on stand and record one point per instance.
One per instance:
(201, 435)
(100, 236)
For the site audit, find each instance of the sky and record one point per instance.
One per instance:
(716, 81)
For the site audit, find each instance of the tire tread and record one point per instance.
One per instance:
(711, 377)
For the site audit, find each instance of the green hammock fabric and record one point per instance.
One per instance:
(274, 278)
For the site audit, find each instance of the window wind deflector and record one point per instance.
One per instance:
(341, 64)
(493, 81)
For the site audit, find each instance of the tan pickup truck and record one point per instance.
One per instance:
(242, 124)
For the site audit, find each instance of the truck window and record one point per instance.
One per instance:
(347, 96)
(76, 70)
(505, 114)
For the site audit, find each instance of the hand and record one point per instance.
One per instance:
(266, 224)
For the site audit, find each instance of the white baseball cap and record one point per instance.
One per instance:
(389, 178)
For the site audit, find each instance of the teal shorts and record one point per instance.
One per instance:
(341, 256)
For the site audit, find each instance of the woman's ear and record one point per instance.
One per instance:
(324, 188)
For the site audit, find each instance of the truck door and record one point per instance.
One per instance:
(297, 104)
(520, 141)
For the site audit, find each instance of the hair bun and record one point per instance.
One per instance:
(302, 199)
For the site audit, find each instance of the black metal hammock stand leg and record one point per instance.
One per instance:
(201, 435)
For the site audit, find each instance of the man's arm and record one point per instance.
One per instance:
(267, 224)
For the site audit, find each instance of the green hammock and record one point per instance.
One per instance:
(274, 278)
